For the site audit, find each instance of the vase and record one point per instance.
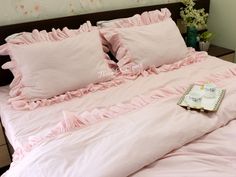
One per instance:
(191, 40)
(204, 46)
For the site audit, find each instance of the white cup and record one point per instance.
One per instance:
(193, 99)
(209, 90)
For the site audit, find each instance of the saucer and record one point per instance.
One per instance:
(192, 104)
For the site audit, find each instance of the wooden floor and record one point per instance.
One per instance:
(2, 170)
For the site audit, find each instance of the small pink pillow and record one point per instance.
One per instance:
(46, 69)
(151, 45)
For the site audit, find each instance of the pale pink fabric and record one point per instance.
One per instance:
(214, 155)
(96, 147)
(50, 67)
(3, 50)
(145, 18)
(54, 35)
(141, 47)
(15, 122)
(20, 102)
(74, 120)
(101, 149)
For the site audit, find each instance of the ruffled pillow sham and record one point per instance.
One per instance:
(145, 18)
(148, 40)
(56, 66)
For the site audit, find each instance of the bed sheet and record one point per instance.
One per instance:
(192, 159)
(20, 125)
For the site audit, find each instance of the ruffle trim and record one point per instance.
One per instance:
(3, 49)
(27, 38)
(126, 65)
(55, 35)
(126, 62)
(74, 120)
(145, 18)
(20, 101)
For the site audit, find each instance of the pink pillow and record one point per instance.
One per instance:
(145, 18)
(144, 46)
(45, 69)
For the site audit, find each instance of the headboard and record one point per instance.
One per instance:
(74, 22)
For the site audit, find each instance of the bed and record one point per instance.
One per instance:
(131, 126)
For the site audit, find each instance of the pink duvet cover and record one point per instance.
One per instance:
(145, 135)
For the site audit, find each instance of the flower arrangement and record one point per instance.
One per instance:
(193, 17)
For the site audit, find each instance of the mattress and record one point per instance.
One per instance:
(214, 154)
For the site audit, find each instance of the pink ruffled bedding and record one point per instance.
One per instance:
(20, 130)
(134, 41)
(27, 94)
(141, 127)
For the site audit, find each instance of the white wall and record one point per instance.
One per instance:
(18, 11)
(222, 21)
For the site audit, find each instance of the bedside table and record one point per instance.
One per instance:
(221, 52)
(4, 153)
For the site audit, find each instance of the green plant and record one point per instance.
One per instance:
(193, 17)
(206, 36)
